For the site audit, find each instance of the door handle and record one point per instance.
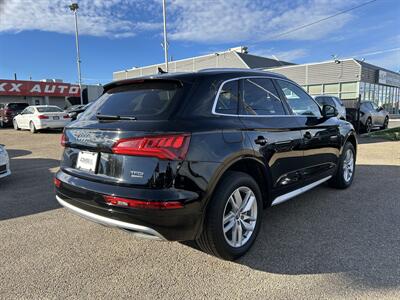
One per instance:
(307, 135)
(261, 140)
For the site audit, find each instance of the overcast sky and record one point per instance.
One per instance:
(37, 37)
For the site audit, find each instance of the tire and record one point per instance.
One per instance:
(15, 124)
(341, 180)
(385, 123)
(368, 125)
(32, 127)
(213, 239)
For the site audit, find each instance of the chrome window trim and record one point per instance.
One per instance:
(251, 116)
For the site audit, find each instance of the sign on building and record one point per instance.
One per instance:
(388, 78)
(38, 88)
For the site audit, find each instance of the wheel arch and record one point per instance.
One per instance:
(351, 137)
(251, 166)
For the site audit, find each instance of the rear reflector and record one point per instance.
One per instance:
(173, 147)
(42, 117)
(124, 202)
(64, 140)
(57, 182)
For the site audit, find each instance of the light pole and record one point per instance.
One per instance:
(165, 45)
(74, 7)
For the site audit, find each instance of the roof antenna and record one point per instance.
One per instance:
(161, 71)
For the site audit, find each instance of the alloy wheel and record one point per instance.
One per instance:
(240, 217)
(348, 165)
(368, 125)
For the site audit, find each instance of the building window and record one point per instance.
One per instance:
(349, 90)
(331, 89)
(315, 89)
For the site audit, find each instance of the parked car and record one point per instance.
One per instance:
(74, 113)
(38, 117)
(333, 101)
(9, 110)
(198, 156)
(372, 116)
(4, 162)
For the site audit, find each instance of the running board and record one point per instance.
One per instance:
(299, 191)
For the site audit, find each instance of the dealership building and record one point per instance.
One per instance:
(46, 92)
(347, 78)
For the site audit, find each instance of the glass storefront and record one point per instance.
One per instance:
(382, 95)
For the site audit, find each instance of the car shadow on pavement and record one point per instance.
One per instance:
(370, 140)
(13, 153)
(354, 232)
(29, 189)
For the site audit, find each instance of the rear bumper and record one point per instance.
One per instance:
(139, 230)
(51, 124)
(85, 198)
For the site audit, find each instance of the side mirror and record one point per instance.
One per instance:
(329, 111)
(380, 108)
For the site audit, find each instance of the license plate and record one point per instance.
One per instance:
(56, 118)
(87, 161)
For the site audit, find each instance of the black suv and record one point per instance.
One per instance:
(9, 110)
(197, 156)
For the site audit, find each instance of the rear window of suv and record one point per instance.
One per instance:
(17, 106)
(147, 100)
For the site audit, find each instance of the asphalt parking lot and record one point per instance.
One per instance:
(324, 244)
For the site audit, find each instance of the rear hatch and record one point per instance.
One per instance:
(128, 137)
(14, 109)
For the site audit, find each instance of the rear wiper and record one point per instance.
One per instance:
(111, 117)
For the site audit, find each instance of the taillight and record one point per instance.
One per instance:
(64, 140)
(133, 203)
(42, 117)
(57, 182)
(173, 147)
(66, 117)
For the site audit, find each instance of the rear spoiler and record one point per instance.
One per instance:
(124, 82)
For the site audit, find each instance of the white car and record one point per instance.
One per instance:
(4, 162)
(37, 117)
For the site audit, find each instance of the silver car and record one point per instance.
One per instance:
(333, 101)
(4, 162)
(373, 116)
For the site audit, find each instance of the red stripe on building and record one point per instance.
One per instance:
(38, 88)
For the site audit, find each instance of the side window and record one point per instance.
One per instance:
(368, 106)
(299, 101)
(338, 100)
(259, 97)
(374, 106)
(227, 102)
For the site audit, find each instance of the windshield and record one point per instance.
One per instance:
(148, 100)
(324, 101)
(48, 109)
